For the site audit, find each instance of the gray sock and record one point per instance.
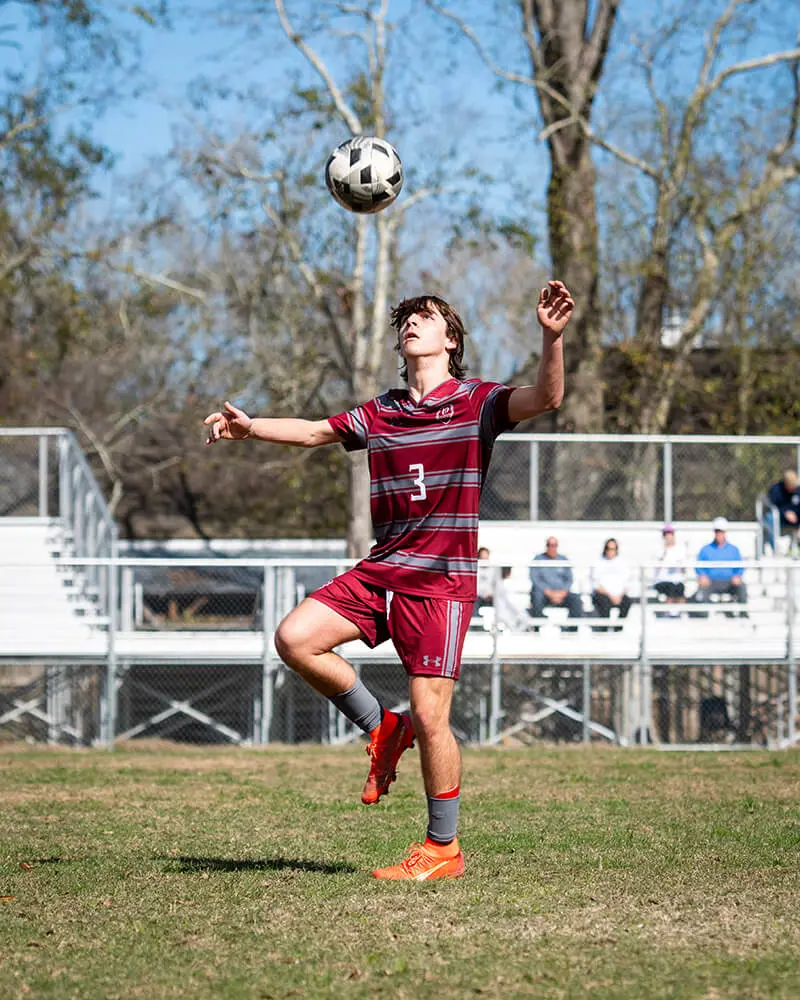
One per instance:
(360, 706)
(443, 818)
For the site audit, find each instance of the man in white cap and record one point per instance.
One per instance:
(713, 579)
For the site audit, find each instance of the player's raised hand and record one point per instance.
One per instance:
(231, 423)
(555, 307)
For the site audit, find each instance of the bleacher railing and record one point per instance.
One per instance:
(201, 615)
(558, 477)
(191, 642)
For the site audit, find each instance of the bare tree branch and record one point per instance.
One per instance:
(747, 65)
(620, 154)
(100, 449)
(399, 210)
(17, 261)
(349, 116)
(310, 278)
(157, 279)
(782, 148)
(593, 53)
(504, 74)
(712, 45)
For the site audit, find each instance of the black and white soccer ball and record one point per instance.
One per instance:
(364, 174)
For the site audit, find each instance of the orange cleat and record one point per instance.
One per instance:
(426, 862)
(386, 745)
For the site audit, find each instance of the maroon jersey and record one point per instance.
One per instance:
(427, 462)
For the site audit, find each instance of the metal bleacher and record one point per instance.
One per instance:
(47, 607)
(102, 640)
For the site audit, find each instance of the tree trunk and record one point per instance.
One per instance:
(572, 216)
(567, 48)
(359, 521)
(568, 43)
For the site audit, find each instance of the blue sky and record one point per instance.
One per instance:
(456, 113)
(449, 107)
(229, 44)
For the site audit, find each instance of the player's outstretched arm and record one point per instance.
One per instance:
(234, 424)
(554, 309)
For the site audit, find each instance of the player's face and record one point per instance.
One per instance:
(424, 334)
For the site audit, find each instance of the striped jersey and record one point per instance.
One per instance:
(428, 460)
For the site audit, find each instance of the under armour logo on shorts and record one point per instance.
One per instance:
(437, 661)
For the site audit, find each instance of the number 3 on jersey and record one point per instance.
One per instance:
(419, 481)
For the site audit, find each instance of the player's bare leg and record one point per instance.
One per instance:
(440, 855)
(305, 640)
(440, 757)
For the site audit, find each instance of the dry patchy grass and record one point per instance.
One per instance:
(160, 871)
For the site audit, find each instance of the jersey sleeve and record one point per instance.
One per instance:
(490, 402)
(353, 426)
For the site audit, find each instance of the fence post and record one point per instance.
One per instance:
(63, 480)
(77, 524)
(587, 699)
(496, 690)
(126, 599)
(668, 495)
(44, 443)
(533, 482)
(791, 663)
(111, 661)
(644, 665)
(267, 669)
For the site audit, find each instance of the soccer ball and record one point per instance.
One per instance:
(364, 174)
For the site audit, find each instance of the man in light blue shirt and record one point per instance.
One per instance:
(713, 579)
(551, 582)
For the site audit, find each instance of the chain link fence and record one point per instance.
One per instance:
(178, 594)
(189, 702)
(690, 704)
(181, 648)
(563, 703)
(532, 477)
(28, 486)
(196, 663)
(629, 478)
(721, 703)
(52, 703)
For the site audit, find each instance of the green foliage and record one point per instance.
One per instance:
(708, 399)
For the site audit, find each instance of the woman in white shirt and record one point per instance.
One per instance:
(670, 574)
(610, 578)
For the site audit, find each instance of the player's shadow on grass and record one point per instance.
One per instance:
(189, 865)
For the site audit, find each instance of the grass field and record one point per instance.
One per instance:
(158, 871)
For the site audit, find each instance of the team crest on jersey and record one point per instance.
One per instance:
(445, 413)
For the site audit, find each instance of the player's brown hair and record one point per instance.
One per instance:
(455, 329)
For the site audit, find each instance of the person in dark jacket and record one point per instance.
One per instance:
(785, 497)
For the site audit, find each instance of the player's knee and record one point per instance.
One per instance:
(290, 641)
(430, 719)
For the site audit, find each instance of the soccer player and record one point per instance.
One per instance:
(429, 447)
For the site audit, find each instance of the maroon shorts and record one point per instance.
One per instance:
(428, 632)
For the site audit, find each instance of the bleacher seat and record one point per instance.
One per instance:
(43, 606)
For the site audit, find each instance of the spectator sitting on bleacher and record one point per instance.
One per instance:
(485, 581)
(785, 496)
(506, 611)
(551, 583)
(610, 578)
(713, 579)
(670, 574)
